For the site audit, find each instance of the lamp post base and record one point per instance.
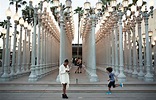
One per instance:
(5, 78)
(32, 77)
(94, 78)
(141, 75)
(149, 77)
(121, 77)
(135, 74)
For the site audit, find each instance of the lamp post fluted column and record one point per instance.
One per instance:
(121, 76)
(141, 73)
(116, 50)
(14, 51)
(155, 56)
(5, 75)
(39, 46)
(134, 73)
(20, 47)
(28, 65)
(3, 53)
(94, 77)
(32, 76)
(24, 49)
(148, 76)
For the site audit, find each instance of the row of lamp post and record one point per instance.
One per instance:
(132, 18)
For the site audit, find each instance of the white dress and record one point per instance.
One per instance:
(64, 76)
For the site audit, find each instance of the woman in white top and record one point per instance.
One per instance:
(64, 77)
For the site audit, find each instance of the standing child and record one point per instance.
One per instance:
(112, 80)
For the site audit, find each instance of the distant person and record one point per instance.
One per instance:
(111, 80)
(79, 64)
(64, 77)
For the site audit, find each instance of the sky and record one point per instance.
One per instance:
(4, 4)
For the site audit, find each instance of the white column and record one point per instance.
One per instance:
(148, 76)
(92, 60)
(121, 76)
(32, 76)
(116, 51)
(24, 52)
(5, 75)
(19, 52)
(141, 73)
(134, 73)
(130, 53)
(125, 52)
(38, 73)
(14, 52)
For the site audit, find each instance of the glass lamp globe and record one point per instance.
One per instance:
(56, 3)
(45, 4)
(87, 5)
(4, 31)
(8, 12)
(125, 3)
(99, 5)
(21, 21)
(143, 8)
(25, 24)
(110, 9)
(150, 33)
(151, 3)
(139, 3)
(143, 36)
(16, 17)
(113, 3)
(31, 0)
(107, 14)
(68, 3)
(137, 13)
(128, 13)
(133, 8)
(154, 38)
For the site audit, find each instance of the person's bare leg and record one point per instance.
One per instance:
(80, 69)
(64, 88)
(117, 85)
(109, 89)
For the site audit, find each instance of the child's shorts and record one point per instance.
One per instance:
(111, 84)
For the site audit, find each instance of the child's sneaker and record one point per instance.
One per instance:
(121, 84)
(108, 92)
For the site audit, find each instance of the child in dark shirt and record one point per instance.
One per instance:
(111, 80)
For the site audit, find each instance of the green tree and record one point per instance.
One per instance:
(3, 23)
(27, 14)
(18, 3)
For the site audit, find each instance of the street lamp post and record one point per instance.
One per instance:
(21, 22)
(155, 55)
(144, 43)
(3, 52)
(24, 48)
(141, 73)
(29, 34)
(5, 75)
(146, 14)
(121, 76)
(16, 18)
(32, 76)
(134, 73)
(150, 49)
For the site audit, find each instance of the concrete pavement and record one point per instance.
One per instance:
(78, 96)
